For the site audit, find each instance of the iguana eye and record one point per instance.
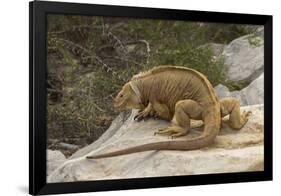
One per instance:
(121, 95)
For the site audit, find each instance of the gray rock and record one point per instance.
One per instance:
(260, 31)
(222, 91)
(252, 94)
(233, 151)
(244, 58)
(115, 125)
(54, 159)
(67, 146)
(217, 49)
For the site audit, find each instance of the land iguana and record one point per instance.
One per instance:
(177, 94)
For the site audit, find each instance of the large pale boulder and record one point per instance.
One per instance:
(252, 94)
(260, 31)
(232, 151)
(216, 48)
(222, 91)
(244, 58)
(54, 159)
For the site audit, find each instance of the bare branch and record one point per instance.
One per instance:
(74, 28)
(118, 41)
(123, 59)
(147, 50)
(78, 49)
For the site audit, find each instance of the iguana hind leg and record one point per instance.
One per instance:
(184, 111)
(231, 106)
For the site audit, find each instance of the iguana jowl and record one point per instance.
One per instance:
(177, 94)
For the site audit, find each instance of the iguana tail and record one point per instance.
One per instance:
(211, 129)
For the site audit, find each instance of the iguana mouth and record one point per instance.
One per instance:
(120, 106)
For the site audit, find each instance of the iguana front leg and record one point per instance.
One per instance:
(231, 106)
(146, 112)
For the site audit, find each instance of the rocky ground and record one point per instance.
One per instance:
(233, 151)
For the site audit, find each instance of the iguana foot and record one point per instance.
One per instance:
(231, 106)
(147, 112)
(238, 124)
(142, 115)
(245, 117)
(173, 131)
(246, 114)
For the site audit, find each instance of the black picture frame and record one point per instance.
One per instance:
(37, 97)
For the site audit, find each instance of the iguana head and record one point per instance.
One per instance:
(127, 98)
